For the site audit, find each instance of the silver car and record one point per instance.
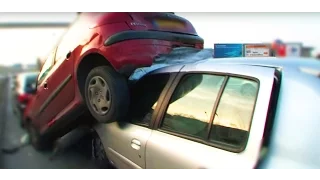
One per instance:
(201, 115)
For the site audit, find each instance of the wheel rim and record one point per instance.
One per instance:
(99, 95)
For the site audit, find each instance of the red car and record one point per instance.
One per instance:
(90, 66)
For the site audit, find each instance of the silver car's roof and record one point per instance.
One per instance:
(267, 61)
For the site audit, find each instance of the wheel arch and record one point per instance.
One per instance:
(87, 63)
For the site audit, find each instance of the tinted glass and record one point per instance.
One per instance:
(144, 98)
(191, 104)
(234, 113)
(46, 67)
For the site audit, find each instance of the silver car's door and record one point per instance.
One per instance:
(125, 142)
(213, 118)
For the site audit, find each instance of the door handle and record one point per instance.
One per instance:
(68, 55)
(45, 85)
(135, 144)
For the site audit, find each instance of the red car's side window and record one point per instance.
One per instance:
(46, 67)
(72, 38)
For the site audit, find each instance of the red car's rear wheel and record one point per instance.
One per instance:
(106, 94)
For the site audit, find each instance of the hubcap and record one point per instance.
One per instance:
(99, 95)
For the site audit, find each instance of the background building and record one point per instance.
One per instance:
(306, 51)
(295, 49)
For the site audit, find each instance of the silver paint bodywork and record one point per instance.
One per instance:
(294, 138)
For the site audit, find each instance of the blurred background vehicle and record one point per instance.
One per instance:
(13, 82)
(25, 85)
(179, 119)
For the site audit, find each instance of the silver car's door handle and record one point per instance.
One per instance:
(135, 144)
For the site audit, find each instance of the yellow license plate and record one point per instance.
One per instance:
(167, 24)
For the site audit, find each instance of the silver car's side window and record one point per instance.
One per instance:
(191, 105)
(215, 109)
(233, 116)
(145, 95)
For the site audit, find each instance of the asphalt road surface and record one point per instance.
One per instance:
(26, 157)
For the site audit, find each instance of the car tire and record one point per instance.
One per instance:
(98, 154)
(106, 94)
(38, 142)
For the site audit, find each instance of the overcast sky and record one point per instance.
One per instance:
(25, 45)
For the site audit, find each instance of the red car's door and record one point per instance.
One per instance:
(61, 83)
(42, 91)
(61, 88)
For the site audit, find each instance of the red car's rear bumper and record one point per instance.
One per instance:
(154, 35)
(129, 50)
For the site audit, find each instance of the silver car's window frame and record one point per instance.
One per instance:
(170, 92)
(266, 73)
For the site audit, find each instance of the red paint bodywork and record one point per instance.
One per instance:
(88, 36)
